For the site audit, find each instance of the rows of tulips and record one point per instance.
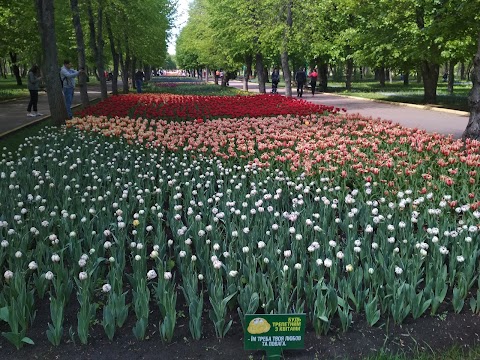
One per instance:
(182, 107)
(343, 146)
(332, 215)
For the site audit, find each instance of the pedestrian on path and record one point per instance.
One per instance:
(301, 79)
(67, 76)
(313, 80)
(275, 80)
(33, 83)
(139, 77)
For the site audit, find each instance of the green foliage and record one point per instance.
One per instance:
(10, 90)
(18, 30)
(188, 89)
(398, 92)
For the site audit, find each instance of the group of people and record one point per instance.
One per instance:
(67, 78)
(300, 79)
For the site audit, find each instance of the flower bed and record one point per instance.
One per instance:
(181, 107)
(331, 215)
(340, 146)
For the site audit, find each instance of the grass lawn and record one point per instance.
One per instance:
(413, 93)
(397, 92)
(10, 90)
(11, 142)
(453, 353)
(181, 85)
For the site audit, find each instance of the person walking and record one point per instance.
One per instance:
(313, 80)
(67, 76)
(275, 80)
(33, 83)
(301, 79)
(139, 77)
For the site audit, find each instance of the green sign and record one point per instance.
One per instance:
(274, 333)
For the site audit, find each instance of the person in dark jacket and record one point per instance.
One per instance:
(301, 79)
(33, 83)
(139, 77)
(275, 80)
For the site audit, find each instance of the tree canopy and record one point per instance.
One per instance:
(399, 36)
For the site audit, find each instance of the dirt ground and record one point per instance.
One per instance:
(429, 333)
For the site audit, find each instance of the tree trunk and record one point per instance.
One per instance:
(323, 77)
(82, 77)
(97, 44)
(147, 70)
(259, 69)
(126, 65)
(133, 65)
(419, 75)
(46, 24)
(15, 68)
(124, 68)
(349, 73)
(126, 75)
(406, 77)
(451, 77)
(381, 76)
(248, 71)
(284, 53)
(3, 69)
(472, 131)
(462, 70)
(287, 74)
(430, 72)
(115, 56)
(206, 74)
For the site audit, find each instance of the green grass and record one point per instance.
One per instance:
(193, 89)
(12, 141)
(412, 93)
(175, 79)
(454, 353)
(397, 92)
(10, 90)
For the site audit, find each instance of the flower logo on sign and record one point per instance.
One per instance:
(258, 326)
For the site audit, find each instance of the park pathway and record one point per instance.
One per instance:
(13, 113)
(442, 121)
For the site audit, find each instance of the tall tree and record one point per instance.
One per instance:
(97, 43)
(472, 130)
(115, 55)
(19, 40)
(82, 79)
(46, 23)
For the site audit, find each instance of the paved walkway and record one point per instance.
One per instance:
(443, 121)
(13, 114)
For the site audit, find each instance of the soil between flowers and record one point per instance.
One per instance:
(429, 333)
